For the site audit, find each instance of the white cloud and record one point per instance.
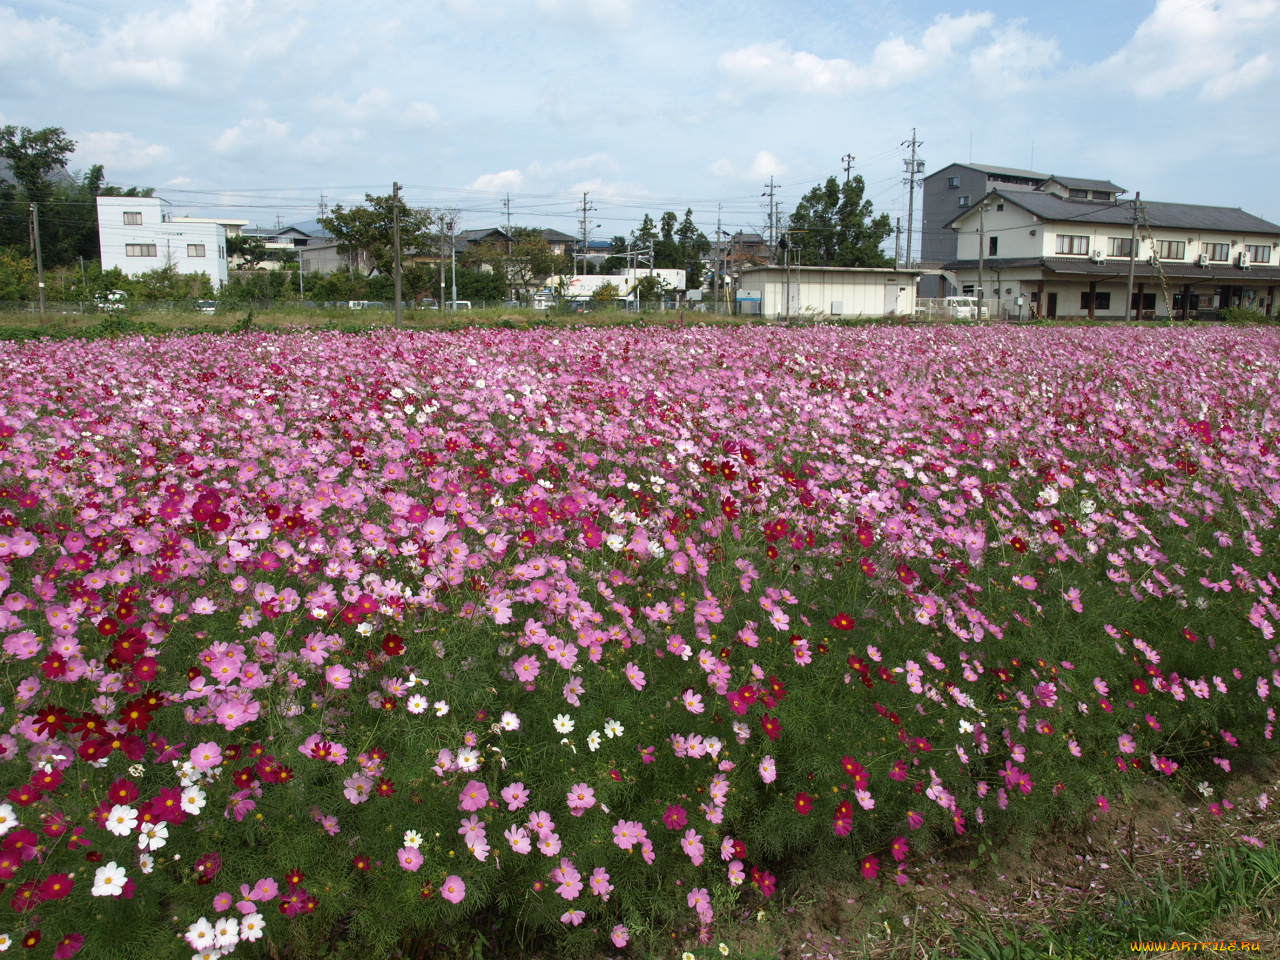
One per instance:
(378, 105)
(1013, 61)
(120, 150)
(598, 160)
(499, 182)
(193, 47)
(253, 134)
(765, 66)
(763, 164)
(1197, 44)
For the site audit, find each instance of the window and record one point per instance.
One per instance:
(1217, 251)
(993, 244)
(999, 207)
(139, 249)
(133, 219)
(1078, 194)
(1121, 247)
(1078, 246)
(953, 182)
(195, 249)
(1101, 195)
(964, 201)
(1258, 253)
(1172, 249)
(967, 289)
(1148, 302)
(1101, 300)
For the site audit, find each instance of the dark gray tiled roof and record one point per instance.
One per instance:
(1079, 183)
(1119, 267)
(1184, 216)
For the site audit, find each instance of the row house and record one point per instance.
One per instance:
(1047, 252)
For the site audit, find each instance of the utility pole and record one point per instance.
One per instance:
(848, 159)
(395, 234)
(915, 166)
(982, 245)
(770, 187)
(35, 232)
(586, 212)
(897, 244)
(453, 261)
(715, 287)
(1133, 256)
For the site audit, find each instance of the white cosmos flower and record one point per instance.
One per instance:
(563, 723)
(108, 880)
(510, 722)
(251, 927)
(146, 862)
(417, 704)
(441, 708)
(593, 740)
(226, 933)
(612, 728)
(153, 836)
(412, 838)
(8, 818)
(121, 820)
(200, 934)
(193, 800)
(468, 759)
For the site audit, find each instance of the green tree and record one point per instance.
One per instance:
(17, 275)
(833, 226)
(251, 250)
(693, 244)
(527, 262)
(33, 155)
(647, 233)
(366, 232)
(606, 295)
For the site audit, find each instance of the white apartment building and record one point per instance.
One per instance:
(1066, 256)
(137, 234)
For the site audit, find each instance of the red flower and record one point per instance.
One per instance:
(31, 939)
(1140, 686)
(52, 720)
(675, 817)
(123, 791)
(385, 788)
(772, 728)
(804, 804)
(68, 946)
(842, 621)
(393, 645)
(56, 886)
(871, 867)
(361, 863)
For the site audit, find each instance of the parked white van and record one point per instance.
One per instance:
(966, 308)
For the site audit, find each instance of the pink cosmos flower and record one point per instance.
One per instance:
(635, 675)
(338, 676)
(206, 755)
(675, 818)
(619, 935)
(768, 770)
(453, 889)
(691, 843)
(515, 796)
(474, 796)
(410, 858)
(871, 867)
(581, 798)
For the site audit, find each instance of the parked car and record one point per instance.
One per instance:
(428, 303)
(112, 301)
(206, 306)
(457, 305)
(966, 308)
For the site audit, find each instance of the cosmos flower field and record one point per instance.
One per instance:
(594, 634)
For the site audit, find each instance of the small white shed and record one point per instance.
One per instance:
(830, 291)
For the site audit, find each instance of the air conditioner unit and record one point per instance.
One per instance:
(1243, 261)
(1204, 260)
(1098, 256)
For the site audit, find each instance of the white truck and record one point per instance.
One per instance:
(584, 286)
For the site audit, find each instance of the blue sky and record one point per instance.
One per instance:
(253, 109)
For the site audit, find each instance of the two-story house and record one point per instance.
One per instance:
(139, 234)
(947, 193)
(1065, 255)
